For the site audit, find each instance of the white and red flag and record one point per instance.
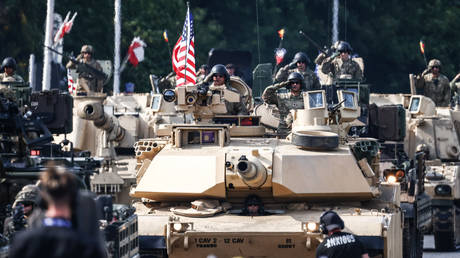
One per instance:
(71, 84)
(65, 28)
(136, 51)
(183, 57)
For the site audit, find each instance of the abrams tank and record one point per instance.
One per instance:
(218, 186)
(436, 132)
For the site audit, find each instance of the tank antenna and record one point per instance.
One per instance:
(258, 36)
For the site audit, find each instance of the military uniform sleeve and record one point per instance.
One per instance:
(358, 75)
(269, 96)
(72, 65)
(419, 82)
(327, 66)
(316, 83)
(446, 92)
(320, 58)
(282, 74)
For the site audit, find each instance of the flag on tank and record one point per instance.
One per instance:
(183, 57)
(65, 28)
(70, 82)
(136, 51)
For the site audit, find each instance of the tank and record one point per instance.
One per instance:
(218, 185)
(108, 127)
(436, 131)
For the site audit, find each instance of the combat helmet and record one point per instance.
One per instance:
(330, 220)
(219, 69)
(87, 49)
(295, 77)
(8, 62)
(344, 47)
(301, 57)
(434, 62)
(28, 193)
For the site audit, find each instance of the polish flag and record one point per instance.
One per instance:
(136, 51)
(70, 82)
(65, 28)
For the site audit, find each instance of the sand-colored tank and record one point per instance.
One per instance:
(217, 185)
(436, 131)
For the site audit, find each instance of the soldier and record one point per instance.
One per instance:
(87, 81)
(221, 80)
(286, 101)
(434, 84)
(202, 73)
(231, 69)
(340, 65)
(8, 77)
(299, 65)
(454, 85)
(337, 243)
(8, 69)
(23, 206)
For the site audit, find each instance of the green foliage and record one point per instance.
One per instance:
(385, 33)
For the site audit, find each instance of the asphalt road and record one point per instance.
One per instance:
(428, 244)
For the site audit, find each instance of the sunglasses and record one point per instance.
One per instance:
(219, 75)
(295, 83)
(301, 62)
(436, 67)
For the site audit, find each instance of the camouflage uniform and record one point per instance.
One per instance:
(336, 68)
(233, 108)
(28, 193)
(437, 89)
(311, 81)
(4, 89)
(285, 102)
(87, 80)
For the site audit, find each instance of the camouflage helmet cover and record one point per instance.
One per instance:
(301, 57)
(28, 193)
(8, 62)
(434, 62)
(87, 49)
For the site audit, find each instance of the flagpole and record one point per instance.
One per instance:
(187, 43)
(47, 54)
(116, 61)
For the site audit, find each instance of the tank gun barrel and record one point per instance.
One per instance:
(94, 111)
(252, 172)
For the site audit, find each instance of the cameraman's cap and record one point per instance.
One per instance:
(332, 221)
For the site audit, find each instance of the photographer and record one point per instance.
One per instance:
(57, 236)
(23, 206)
(338, 244)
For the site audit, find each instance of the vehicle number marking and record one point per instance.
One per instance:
(288, 244)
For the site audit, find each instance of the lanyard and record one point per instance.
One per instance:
(57, 222)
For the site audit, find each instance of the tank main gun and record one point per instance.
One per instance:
(94, 111)
(251, 171)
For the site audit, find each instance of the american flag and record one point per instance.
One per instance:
(183, 57)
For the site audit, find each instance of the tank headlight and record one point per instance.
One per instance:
(310, 226)
(169, 95)
(443, 190)
(400, 174)
(181, 227)
(391, 179)
(177, 227)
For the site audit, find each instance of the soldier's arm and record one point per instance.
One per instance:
(320, 58)
(282, 74)
(358, 72)
(73, 65)
(316, 83)
(269, 95)
(327, 66)
(419, 81)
